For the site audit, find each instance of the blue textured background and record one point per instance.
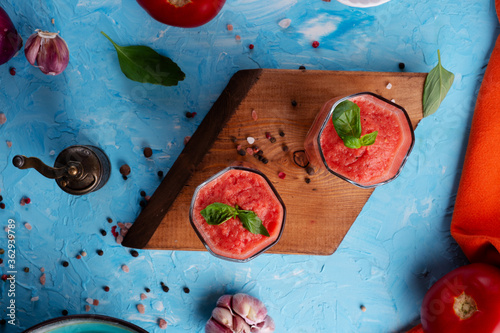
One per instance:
(399, 245)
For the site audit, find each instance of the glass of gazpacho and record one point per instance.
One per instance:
(237, 213)
(376, 163)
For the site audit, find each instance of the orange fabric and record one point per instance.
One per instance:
(476, 218)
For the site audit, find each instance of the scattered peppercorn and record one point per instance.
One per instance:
(190, 114)
(160, 174)
(109, 219)
(3, 322)
(242, 152)
(310, 170)
(307, 180)
(265, 160)
(281, 175)
(1, 261)
(294, 102)
(281, 133)
(64, 312)
(65, 263)
(165, 288)
(143, 194)
(103, 232)
(363, 308)
(186, 290)
(401, 65)
(148, 152)
(251, 46)
(284, 148)
(268, 135)
(125, 170)
(12, 71)
(1, 198)
(26, 269)
(134, 253)
(142, 203)
(100, 252)
(124, 177)
(272, 139)
(27, 200)
(315, 44)
(2, 205)
(2, 251)
(147, 289)
(95, 302)
(302, 67)
(106, 288)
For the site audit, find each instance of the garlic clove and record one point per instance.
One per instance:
(267, 326)
(213, 326)
(225, 301)
(250, 308)
(240, 325)
(53, 56)
(32, 47)
(223, 316)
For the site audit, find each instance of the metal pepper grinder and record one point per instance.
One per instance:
(77, 170)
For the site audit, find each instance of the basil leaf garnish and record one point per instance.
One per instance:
(218, 213)
(143, 64)
(437, 84)
(369, 139)
(352, 142)
(252, 222)
(346, 119)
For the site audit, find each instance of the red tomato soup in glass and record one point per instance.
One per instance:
(368, 166)
(250, 190)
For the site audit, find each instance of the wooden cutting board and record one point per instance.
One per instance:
(320, 207)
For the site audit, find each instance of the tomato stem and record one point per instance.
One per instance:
(464, 306)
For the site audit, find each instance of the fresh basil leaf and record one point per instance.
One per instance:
(352, 142)
(252, 222)
(437, 84)
(218, 213)
(143, 64)
(346, 119)
(369, 139)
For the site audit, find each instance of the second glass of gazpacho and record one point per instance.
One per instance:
(237, 214)
(363, 138)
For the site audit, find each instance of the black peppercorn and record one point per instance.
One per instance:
(65, 263)
(64, 312)
(401, 65)
(100, 252)
(186, 290)
(134, 253)
(103, 232)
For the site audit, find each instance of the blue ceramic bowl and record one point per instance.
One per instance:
(85, 324)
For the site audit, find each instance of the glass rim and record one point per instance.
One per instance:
(217, 175)
(403, 162)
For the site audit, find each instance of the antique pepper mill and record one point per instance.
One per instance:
(77, 170)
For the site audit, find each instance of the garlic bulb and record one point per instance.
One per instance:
(239, 313)
(48, 50)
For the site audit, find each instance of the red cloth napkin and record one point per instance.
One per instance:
(476, 219)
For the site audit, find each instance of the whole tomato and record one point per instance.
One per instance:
(182, 13)
(465, 300)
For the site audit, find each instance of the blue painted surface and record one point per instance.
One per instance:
(399, 245)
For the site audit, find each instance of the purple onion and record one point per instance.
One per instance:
(47, 51)
(10, 41)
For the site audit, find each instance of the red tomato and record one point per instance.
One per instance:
(182, 13)
(465, 300)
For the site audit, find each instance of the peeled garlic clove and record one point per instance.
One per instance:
(267, 326)
(250, 308)
(240, 325)
(213, 326)
(48, 50)
(223, 316)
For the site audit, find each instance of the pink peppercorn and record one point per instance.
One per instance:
(12, 71)
(282, 175)
(315, 44)
(251, 46)
(27, 200)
